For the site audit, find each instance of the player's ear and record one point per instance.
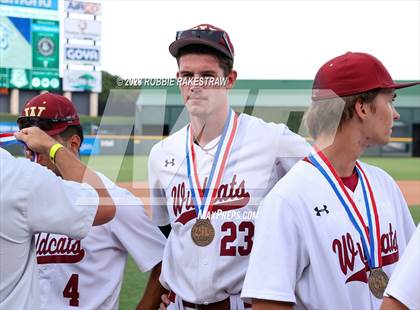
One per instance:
(231, 79)
(360, 108)
(73, 143)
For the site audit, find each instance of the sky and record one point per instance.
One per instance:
(272, 39)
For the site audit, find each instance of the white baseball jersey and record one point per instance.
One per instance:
(88, 273)
(307, 251)
(33, 199)
(404, 284)
(261, 154)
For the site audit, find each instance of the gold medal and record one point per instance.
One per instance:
(202, 232)
(378, 280)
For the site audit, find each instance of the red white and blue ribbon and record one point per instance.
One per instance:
(203, 198)
(8, 138)
(370, 233)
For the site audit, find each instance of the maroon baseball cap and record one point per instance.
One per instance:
(52, 113)
(351, 74)
(203, 34)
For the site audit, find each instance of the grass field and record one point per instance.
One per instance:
(398, 168)
(134, 168)
(121, 170)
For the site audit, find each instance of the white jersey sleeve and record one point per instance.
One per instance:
(275, 278)
(137, 234)
(160, 215)
(404, 284)
(34, 199)
(70, 208)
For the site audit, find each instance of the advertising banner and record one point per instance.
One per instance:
(45, 44)
(29, 53)
(79, 7)
(41, 9)
(82, 54)
(74, 80)
(82, 29)
(15, 43)
(8, 127)
(90, 146)
(4, 78)
(38, 79)
(45, 79)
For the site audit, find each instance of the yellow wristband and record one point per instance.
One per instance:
(53, 151)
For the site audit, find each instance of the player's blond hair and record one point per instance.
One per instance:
(328, 116)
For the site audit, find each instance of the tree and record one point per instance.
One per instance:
(108, 83)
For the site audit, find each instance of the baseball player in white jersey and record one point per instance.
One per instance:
(32, 200)
(330, 232)
(88, 273)
(403, 290)
(208, 178)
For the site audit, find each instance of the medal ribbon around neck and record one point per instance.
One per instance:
(8, 138)
(370, 237)
(203, 202)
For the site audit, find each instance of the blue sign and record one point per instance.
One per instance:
(32, 9)
(33, 4)
(8, 127)
(90, 146)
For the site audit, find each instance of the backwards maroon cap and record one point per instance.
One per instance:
(204, 34)
(351, 74)
(58, 109)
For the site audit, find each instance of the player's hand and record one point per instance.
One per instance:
(165, 302)
(36, 140)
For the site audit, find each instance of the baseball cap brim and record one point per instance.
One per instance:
(403, 85)
(178, 44)
(58, 128)
(387, 86)
(61, 126)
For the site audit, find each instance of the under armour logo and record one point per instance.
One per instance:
(171, 162)
(318, 210)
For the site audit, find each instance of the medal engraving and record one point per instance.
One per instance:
(378, 280)
(202, 233)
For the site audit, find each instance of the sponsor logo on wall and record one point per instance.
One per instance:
(79, 7)
(74, 80)
(82, 29)
(82, 54)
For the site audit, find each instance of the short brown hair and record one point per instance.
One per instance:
(325, 116)
(225, 63)
(72, 130)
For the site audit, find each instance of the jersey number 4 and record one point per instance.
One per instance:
(72, 290)
(226, 249)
